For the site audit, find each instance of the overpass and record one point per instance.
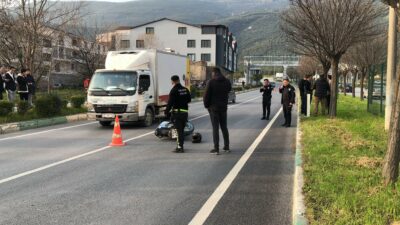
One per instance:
(254, 63)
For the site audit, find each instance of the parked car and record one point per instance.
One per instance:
(376, 91)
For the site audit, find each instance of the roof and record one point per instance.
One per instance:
(162, 19)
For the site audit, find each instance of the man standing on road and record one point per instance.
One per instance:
(305, 89)
(267, 96)
(288, 99)
(216, 101)
(321, 87)
(10, 84)
(2, 73)
(178, 109)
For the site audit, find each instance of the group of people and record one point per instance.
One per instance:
(321, 89)
(215, 100)
(12, 84)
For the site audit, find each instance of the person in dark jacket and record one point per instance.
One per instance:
(216, 101)
(288, 100)
(178, 109)
(305, 89)
(31, 86)
(10, 84)
(22, 85)
(267, 96)
(2, 73)
(321, 91)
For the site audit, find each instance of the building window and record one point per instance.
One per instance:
(74, 54)
(104, 48)
(61, 40)
(206, 57)
(221, 31)
(208, 30)
(182, 30)
(124, 44)
(46, 57)
(191, 43)
(57, 67)
(192, 56)
(113, 42)
(46, 43)
(75, 42)
(139, 43)
(149, 30)
(72, 66)
(206, 43)
(61, 53)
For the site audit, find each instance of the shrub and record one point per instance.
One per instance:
(77, 101)
(64, 103)
(6, 108)
(48, 105)
(193, 91)
(23, 107)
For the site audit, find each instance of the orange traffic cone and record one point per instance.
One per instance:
(117, 137)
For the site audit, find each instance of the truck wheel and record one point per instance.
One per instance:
(105, 123)
(148, 118)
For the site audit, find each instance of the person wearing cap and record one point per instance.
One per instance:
(266, 91)
(178, 109)
(288, 99)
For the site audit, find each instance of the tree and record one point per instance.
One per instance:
(25, 24)
(307, 66)
(331, 27)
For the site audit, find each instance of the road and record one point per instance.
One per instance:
(67, 175)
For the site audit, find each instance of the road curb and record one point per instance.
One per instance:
(299, 209)
(33, 124)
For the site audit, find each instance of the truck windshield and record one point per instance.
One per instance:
(113, 83)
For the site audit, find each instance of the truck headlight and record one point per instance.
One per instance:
(90, 107)
(133, 108)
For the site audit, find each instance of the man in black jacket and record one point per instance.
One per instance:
(216, 101)
(10, 84)
(288, 99)
(305, 89)
(267, 96)
(2, 73)
(22, 85)
(31, 86)
(178, 109)
(321, 87)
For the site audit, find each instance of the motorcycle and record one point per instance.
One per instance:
(166, 129)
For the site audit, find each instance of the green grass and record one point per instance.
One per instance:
(342, 168)
(31, 115)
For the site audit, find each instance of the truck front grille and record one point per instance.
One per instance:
(110, 108)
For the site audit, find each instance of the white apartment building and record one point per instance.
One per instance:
(213, 44)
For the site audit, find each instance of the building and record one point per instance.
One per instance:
(64, 58)
(213, 44)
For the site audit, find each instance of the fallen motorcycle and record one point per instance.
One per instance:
(166, 129)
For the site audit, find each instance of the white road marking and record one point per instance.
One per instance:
(213, 200)
(46, 131)
(91, 152)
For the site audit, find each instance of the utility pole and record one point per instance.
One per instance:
(391, 61)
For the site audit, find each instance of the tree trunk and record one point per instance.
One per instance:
(353, 84)
(345, 83)
(334, 93)
(392, 159)
(362, 85)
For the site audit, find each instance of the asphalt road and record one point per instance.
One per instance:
(66, 175)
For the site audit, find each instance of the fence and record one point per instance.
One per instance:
(377, 89)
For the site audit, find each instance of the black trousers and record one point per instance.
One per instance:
(179, 120)
(23, 96)
(287, 113)
(219, 119)
(304, 104)
(266, 107)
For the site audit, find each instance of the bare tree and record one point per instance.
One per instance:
(151, 41)
(90, 53)
(307, 66)
(330, 26)
(25, 24)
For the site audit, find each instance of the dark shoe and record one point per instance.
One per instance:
(226, 149)
(214, 152)
(263, 118)
(284, 125)
(179, 150)
(288, 125)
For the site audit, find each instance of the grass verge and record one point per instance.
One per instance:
(31, 115)
(342, 168)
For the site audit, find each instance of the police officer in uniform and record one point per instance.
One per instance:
(177, 109)
(288, 99)
(267, 96)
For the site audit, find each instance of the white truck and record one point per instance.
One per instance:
(134, 85)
